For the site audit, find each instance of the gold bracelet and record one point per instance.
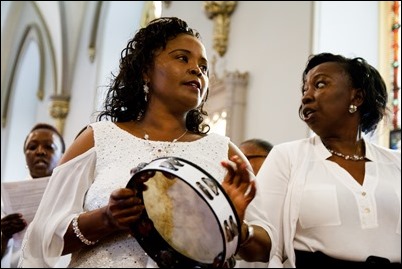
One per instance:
(249, 234)
(79, 234)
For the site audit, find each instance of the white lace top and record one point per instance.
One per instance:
(92, 176)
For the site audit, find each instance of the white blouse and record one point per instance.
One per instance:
(309, 203)
(85, 183)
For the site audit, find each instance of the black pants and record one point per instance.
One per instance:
(305, 259)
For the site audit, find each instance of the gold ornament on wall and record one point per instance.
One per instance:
(59, 107)
(220, 12)
(151, 11)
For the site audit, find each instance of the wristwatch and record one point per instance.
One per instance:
(249, 234)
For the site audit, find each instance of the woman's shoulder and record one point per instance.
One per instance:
(297, 144)
(101, 124)
(296, 151)
(216, 136)
(208, 138)
(109, 128)
(382, 152)
(80, 145)
(211, 141)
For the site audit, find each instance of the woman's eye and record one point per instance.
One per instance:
(204, 68)
(49, 147)
(320, 85)
(183, 58)
(31, 148)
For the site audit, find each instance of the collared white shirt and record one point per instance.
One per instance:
(308, 202)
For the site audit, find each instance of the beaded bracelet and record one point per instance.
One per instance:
(79, 234)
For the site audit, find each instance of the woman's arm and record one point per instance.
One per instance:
(241, 187)
(51, 233)
(62, 200)
(123, 207)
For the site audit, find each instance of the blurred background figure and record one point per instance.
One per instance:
(43, 148)
(256, 150)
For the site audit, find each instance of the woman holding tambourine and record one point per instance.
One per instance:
(106, 214)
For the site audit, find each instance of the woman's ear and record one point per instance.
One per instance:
(357, 97)
(145, 76)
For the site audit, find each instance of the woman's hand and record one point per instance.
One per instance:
(138, 178)
(124, 208)
(239, 184)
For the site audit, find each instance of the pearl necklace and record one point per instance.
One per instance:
(353, 157)
(158, 150)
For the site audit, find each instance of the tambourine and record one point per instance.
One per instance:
(188, 220)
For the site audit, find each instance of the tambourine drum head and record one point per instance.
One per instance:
(188, 220)
(182, 218)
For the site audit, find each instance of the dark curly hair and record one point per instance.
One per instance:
(125, 99)
(363, 76)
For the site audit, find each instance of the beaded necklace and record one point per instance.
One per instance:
(353, 157)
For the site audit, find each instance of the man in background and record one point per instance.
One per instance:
(256, 150)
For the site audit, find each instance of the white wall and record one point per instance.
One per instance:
(348, 35)
(354, 33)
(270, 40)
(26, 79)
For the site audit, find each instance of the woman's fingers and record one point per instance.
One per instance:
(238, 173)
(239, 184)
(124, 207)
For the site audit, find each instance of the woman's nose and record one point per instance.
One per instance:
(307, 96)
(195, 71)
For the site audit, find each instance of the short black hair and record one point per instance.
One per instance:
(363, 76)
(261, 143)
(49, 127)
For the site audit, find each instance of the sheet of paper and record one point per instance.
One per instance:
(23, 197)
